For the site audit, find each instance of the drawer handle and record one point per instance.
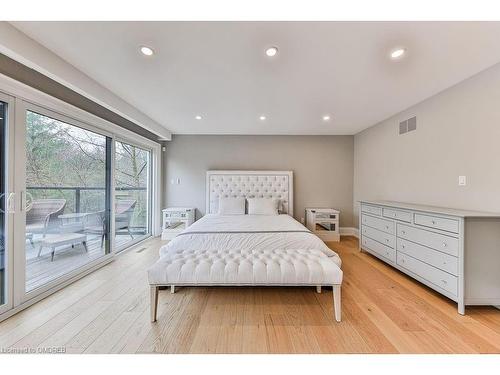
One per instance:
(403, 232)
(445, 244)
(444, 282)
(433, 222)
(386, 227)
(403, 246)
(386, 240)
(394, 215)
(402, 260)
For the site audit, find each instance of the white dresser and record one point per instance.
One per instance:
(455, 252)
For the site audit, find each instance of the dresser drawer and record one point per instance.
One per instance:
(440, 242)
(374, 210)
(437, 277)
(380, 224)
(448, 225)
(382, 237)
(377, 247)
(397, 214)
(433, 257)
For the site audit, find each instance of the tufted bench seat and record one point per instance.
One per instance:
(244, 267)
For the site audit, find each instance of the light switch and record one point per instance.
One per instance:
(462, 180)
(178, 181)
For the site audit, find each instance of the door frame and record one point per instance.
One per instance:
(9, 217)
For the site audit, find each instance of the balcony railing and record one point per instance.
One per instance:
(79, 189)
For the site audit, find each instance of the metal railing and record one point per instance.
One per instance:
(78, 190)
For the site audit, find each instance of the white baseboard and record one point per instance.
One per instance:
(349, 231)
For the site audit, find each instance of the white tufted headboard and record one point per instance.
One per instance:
(250, 184)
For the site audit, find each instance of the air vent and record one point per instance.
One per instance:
(403, 127)
(408, 125)
(412, 124)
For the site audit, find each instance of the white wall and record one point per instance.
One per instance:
(322, 166)
(458, 133)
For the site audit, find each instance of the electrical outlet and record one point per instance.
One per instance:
(178, 181)
(462, 180)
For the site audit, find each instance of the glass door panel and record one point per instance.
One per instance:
(3, 205)
(67, 198)
(132, 194)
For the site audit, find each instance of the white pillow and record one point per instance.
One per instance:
(231, 206)
(263, 206)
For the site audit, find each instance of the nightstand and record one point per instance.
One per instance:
(175, 220)
(324, 223)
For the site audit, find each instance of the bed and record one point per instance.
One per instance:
(247, 250)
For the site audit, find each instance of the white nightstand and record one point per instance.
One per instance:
(323, 222)
(175, 220)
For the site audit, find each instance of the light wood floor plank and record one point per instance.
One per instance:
(384, 311)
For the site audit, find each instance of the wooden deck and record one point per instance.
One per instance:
(40, 270)
(384, 311)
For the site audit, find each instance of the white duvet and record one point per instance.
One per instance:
(246, 250)
(249, 232)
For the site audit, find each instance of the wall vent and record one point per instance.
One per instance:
(403, 127)
(408, 125)
(412, 123)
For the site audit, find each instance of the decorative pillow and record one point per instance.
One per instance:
(231, 206)
(263, 206)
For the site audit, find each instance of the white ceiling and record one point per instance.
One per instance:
(219, 69)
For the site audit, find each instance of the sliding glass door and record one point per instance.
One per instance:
(71, 194)
(132, 194)
(67, 204)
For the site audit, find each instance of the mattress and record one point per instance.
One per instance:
(246, 250)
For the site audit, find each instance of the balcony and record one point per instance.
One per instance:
(66, 228)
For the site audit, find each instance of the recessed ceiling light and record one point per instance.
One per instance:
(197, 117)
(147, 51)
(262, 118)
(272, 51)
(398, 53)
(326, 118)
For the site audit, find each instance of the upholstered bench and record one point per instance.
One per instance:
(246, 268)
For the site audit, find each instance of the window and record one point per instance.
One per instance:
(132, 194)
(68, 198)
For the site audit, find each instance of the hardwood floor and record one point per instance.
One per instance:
(41, 269)
(383, 311)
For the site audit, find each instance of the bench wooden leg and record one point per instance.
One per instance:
(172, 289)
(318, 288)
(154, 302)
(337, 306)
(85, 246)
(52, 255)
